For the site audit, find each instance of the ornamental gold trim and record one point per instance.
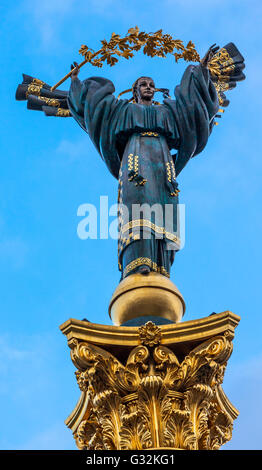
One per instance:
(222, 57)
(147, 223)
(149, 134)
(139, 262)
(34, 89)
(145, 261)
(130, 162)
(61, 112)
(50, 101)
(168, 171)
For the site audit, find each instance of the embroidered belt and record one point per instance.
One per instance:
(149, 134)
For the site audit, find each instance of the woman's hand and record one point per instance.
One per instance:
(76, 71)
(209, 55)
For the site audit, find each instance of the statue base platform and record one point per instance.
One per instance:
(150, 295)
(152, 386)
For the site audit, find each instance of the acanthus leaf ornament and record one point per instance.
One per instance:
(153, 399)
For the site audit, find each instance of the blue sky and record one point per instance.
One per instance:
(49, 167)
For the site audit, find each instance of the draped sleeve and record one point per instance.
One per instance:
(96, 110)
(194, 108)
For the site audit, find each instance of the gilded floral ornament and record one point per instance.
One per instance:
(150, 334)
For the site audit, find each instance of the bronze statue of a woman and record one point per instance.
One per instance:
(135, 139)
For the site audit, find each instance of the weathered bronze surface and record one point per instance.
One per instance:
(135, 136)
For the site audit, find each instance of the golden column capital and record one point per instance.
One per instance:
(152, 386)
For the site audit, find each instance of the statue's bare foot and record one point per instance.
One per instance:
(144, 270)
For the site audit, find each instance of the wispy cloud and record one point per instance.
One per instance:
(71, 151)
(49, 17)
(9, 353)
(52, 16)
(13, 250)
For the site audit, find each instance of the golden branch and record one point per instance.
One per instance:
(155, 44)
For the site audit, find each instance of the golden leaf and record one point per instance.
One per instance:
(154, 44)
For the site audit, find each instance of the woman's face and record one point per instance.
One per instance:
(145, 89)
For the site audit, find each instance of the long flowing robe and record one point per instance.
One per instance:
(135, 142)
